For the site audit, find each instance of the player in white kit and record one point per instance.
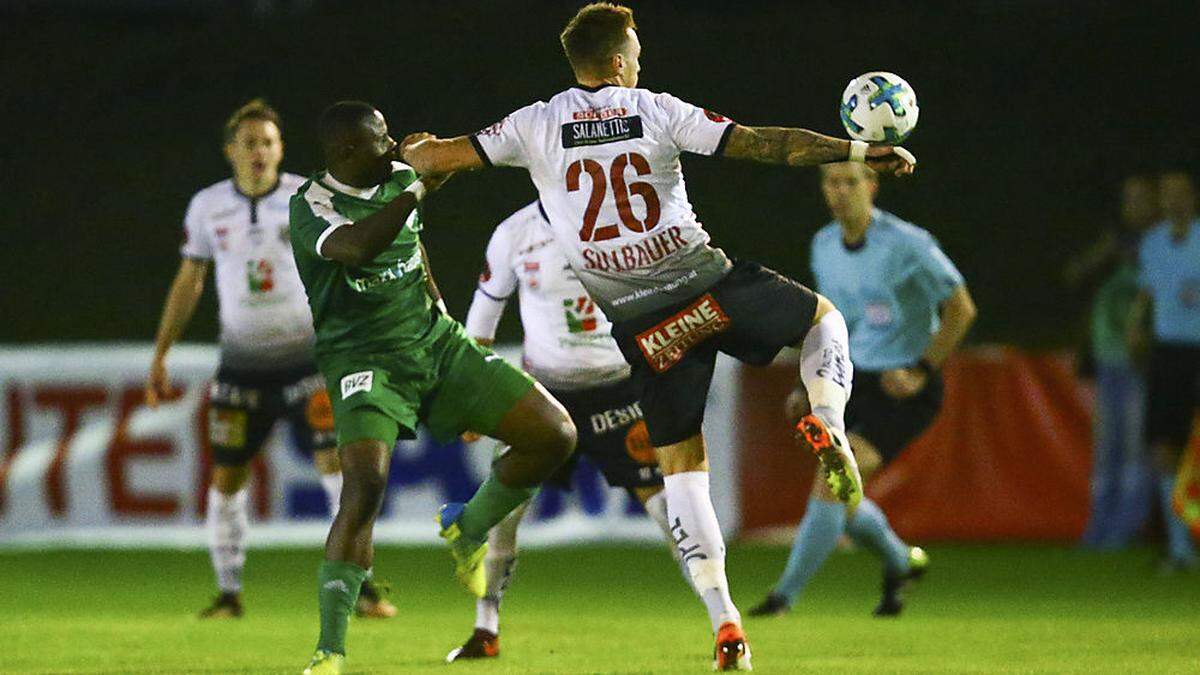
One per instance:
(266, 372)
(604, 157)
(569, 348)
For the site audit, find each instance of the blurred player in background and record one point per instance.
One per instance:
(604, 156)
(267, 372)
(907, 309)
(1169, 277)
(393, 358)
(569, 349)
(1122, 484)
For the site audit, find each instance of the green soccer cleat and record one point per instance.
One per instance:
(325, 663)
(468, 555)
(832, 449)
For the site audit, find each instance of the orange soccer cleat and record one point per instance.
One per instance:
(732, 651)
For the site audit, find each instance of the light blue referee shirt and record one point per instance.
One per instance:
(888, 286)
(1170, 273)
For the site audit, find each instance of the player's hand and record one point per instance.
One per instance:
(891, 160)
(157, 387)
(470, 436)
(412, 139)
(903, 383)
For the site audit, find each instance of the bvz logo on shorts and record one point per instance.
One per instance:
(665, 344)
(356, 382)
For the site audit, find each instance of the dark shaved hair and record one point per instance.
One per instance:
(341, 122)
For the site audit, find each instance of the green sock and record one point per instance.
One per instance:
(338, 583)
(492, 501)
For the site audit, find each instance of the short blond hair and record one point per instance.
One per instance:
(595, 34)
(256, 109)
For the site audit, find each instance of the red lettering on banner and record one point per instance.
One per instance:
(16, 438)
(260, 473)
(71, 403)
(121, 449)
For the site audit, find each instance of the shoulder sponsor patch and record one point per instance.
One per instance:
(599, 132)
(356, 382)
(665, 344)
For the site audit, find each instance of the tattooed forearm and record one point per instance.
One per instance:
(784, 145)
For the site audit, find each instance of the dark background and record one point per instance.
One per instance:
(1031, 113)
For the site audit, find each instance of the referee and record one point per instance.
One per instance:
(907, 308)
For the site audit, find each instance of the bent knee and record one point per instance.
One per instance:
(562, 438)
(824, 306)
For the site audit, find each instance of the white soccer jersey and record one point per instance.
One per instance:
(264, 314)
(606, 165)
(568, 341)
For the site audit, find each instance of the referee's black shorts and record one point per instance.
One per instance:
(1173, 392)
(891, 424)
(751, 314)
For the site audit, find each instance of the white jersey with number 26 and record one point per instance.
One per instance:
(606, 165)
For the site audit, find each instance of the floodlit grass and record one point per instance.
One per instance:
(606, 609)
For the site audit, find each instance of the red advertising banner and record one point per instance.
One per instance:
(1009, 457)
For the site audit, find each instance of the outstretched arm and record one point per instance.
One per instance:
(429, 154)
(801, 147)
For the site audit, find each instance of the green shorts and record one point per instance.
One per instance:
(445, 381)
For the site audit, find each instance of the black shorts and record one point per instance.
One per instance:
(243, 407)
(750, 314)
(891, 424)
(612, 435)
(1173, 392)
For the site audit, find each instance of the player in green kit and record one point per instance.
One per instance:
(392, 357)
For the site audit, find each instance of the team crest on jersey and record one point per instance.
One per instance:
(260, 276)
(581, 314)
(666, 344)
(356, 382)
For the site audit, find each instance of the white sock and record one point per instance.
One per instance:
(332, 482)
(656, 508)
(697, 536)
(500, 563)
(227, 522)
(825, 368)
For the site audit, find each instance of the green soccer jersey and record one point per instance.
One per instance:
(382, 305)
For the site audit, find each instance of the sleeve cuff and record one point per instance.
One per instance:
(720, 151)
(487, 161)
(325, 235)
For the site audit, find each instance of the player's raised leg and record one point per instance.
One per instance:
(540, 436)
(826, 374)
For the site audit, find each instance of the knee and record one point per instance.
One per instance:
(824, 306)
(561, 439)
(362, 495)
(229, 479)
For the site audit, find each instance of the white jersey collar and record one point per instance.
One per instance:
(361, 193)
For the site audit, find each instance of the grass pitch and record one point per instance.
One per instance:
(606, 610)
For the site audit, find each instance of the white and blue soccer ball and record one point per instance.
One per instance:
(879, 107)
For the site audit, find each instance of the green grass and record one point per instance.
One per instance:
(606, 609)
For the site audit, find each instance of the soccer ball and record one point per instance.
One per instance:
(879, 107)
